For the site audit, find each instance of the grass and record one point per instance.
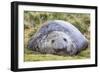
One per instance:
(31, 56)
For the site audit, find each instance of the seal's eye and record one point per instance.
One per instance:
(52, 41)
(64, 39)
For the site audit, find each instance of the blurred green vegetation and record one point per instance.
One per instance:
(33, 21)
(36, 56)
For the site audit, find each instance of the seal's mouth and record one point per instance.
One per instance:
(58, 50)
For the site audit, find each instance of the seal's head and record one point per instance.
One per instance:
(56, 42)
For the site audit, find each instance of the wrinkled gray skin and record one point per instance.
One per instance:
(58, 37)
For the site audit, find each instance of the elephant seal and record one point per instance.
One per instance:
(58, 37)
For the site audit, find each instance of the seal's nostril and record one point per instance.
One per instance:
(64, 39)
(53, 41)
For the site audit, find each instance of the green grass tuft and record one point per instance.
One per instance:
(28, 57)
